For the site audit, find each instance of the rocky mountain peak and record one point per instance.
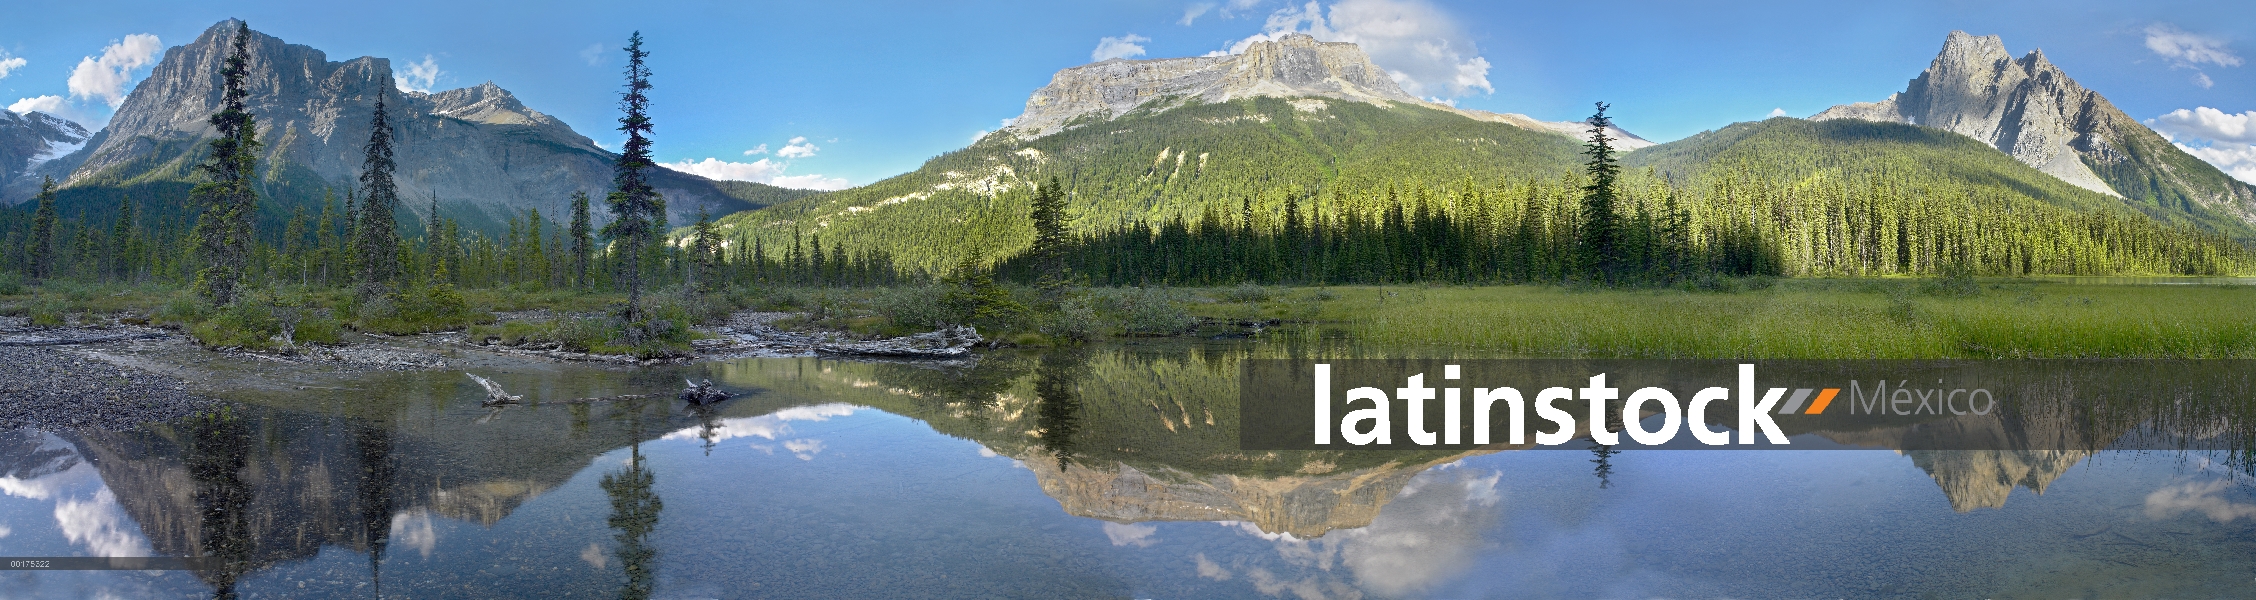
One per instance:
(2030, 108)
(1291, 66)
(2027, 108)
(1294, 65)
(476, 149)
(32, 138)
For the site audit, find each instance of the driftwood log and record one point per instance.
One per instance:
(494, 393)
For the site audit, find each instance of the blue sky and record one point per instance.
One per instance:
(872, 89)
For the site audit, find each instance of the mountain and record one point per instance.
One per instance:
(1179, 137)
(2030, 109)
(1296, 65)
(30, 139)
(479, 151)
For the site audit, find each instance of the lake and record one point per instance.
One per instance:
(1106, 472)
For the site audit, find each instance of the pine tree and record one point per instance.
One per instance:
(125, 242)
(635, 205)
(378, 236)
(41, 254)
(1600, 246)
(583, 240)
(1049, 239)
(705, 248)
(224, 231)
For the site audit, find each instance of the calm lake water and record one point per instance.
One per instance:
(1103, 473)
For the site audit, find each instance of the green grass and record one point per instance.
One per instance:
(1892, 318)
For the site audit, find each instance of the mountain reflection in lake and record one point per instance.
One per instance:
(1103, 472)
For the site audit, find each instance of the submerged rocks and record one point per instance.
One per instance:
(947, 342)
(703, 392)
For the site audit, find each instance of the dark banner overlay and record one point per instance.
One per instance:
(107, 563)
(2021, 405)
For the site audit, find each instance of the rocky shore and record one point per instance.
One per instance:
(49, 387)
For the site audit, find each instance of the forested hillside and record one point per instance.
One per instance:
(1784, 149)
(1153, 165)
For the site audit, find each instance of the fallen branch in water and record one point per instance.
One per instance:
(494, 393)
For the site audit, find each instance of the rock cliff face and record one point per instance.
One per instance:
(1305, 506)
(30, 139)
(476, 147)
(1296, 65)
(2027, 107)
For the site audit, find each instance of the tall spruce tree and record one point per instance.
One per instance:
(1049, 238)
(41, 254)
(377, 240)
(230, 202)
(635, 205)
(1601, 228)
(705, 255)
(583, 240)
(125, 240)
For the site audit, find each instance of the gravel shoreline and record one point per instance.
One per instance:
(54, 388)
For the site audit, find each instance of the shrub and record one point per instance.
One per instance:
(11, 284)
(423, 309)
(913, 306)
(1246, 292)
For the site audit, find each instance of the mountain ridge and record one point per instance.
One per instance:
(477, 150)
(2029, 108)
(1292, 66)
(32, 138)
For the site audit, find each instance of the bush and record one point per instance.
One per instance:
(1140, 311)
(423, 309)
(47, 312)
(11, 284)
(1246, 292)
(913, 306)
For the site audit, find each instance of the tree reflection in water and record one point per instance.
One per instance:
(1605, 468)
(634, 513)
(217, 448)
(378, 474)
(1058, 418)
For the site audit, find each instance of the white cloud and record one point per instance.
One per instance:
(805, 449)
(1191, 13)
(2186, 49)
(1126, 46)
(2220, 138)
(100, 525)
(45, 104)
(2203, 80)
(10, 63)
(760, 149)
(2237, 160)
(2204, 498)
(1421, 47)
(797, 148)
(420, 76)
(766, 426)
(2209, 124)
(106, 77)
(593, 54)
(1775, 113)
(412, 529)
(1133, 534)
(713, 168)
(811, 182)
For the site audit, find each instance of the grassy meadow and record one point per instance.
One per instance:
(1861, 318)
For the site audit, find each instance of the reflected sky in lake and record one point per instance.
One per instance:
(827, 479)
